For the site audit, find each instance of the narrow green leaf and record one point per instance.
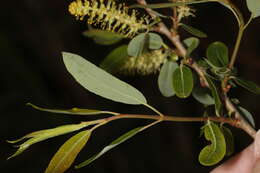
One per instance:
(249, 85)
(192, 43)
(215, 152)
(183, 81)
(248, 116)
(230, 146)
(202, 95)
(193, 31)
(112, 145)
(217, 54)
(68, 152)
(138, 45)
(73, 111)
(254, 7)
(165, 78)
(169, 5)
(41, 135)
(100, 82)
(103, 37)
(215, 94)
(115, 59)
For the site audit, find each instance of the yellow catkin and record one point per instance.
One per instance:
(108, 15)
(148, 63)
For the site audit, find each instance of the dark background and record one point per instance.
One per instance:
(32, 36)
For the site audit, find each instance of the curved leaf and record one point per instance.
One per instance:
(193, 31)
(230, 146)
(217, 54)
(248, 116)
(68, 152)
(112, 145)
(73, 111)
(165, 78)
(115, 59)
(249, 85)
(215, 152)
(183, 81)
(103, 37)
(41, 135)
(100, 82)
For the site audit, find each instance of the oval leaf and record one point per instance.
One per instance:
(217, 54)
(193, 31)
(202, 95)
(68, 152)
(155, 41)
(165, 78)
(138, 45)
(192, 43)
(103, 37)
(115, 59)
(215, 152)
(112, 145)
(254, 7)
(100, 82)
(73, 111)
(183, 81)
(249, 85)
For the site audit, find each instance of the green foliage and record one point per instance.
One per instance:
(67, 153)
(192, 43)
(254, 7)
(202, 95)
(230, 146)
(165, 79)
(100, 82)
(183, 81)
(112, 145)
(115, 59)
(217, 54)
(214, 152)
(247, 115)
(249, 85)
(143, 42)
(103, 37)
(193, 31)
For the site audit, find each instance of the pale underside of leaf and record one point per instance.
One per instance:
(100, 82)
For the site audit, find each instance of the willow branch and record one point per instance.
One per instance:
(181, 50)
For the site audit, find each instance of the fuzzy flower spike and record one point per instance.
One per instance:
(109, 15)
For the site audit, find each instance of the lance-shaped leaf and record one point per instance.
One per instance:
(216, 96)
(73, 111)
(100, 82)
(217, 54)
(230, 146)
(183, 81)
(103, 37)
(41, 135)
(68, 152)
(193, 31)
(214, 152)
(249, 85)
(248, 116)
(192, 43)
(112, 145)
(165, 78)
(115, 59)
(254, 7)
